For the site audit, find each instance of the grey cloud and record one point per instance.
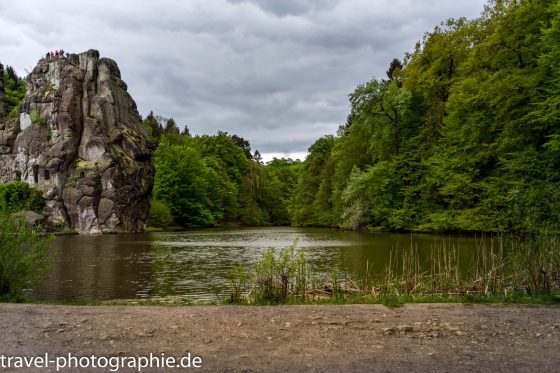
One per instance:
(288, 7)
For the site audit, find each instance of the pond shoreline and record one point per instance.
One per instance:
(416, 337)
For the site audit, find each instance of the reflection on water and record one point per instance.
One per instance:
(195, 264)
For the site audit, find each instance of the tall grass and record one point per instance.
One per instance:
(443, 273)
(507, 269)
(535, 264)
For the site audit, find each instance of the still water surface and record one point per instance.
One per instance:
(195, 264)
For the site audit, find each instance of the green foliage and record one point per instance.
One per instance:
(222, 147)
(463, 137)
(18, 196)
(278, 276)
(160, 215)
(239, 276)
(394, 69)
(14, 88)
(154, 127)
(24, 254)
(311, 204)
(251, 194)
(211, 180)
(243, 144)
(281, 177)
(36, 118)
(182, 183)
(371, 197)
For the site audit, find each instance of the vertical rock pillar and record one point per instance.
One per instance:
(2, 92)
(79, 140)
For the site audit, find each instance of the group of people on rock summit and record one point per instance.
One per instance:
(56, 54)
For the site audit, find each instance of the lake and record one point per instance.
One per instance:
(195, 264)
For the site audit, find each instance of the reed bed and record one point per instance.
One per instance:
(502, 268)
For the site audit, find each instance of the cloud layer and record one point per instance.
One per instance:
(275, 72)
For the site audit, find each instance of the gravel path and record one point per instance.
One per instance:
(325, 338)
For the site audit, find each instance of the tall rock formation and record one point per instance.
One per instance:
(2, 104)
(79, 139)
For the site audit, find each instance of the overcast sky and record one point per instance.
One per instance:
(276, 72)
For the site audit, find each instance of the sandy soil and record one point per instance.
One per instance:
(346, 338)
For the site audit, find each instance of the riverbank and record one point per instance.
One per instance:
(415, 337)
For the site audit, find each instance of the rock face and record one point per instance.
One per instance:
(2, 105)
(79, 139)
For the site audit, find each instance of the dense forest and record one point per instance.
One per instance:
(211, 180)
(462, 135)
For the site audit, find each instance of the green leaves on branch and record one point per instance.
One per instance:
(18, 195)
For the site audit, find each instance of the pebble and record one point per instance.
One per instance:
(405, 328)
(388, 331)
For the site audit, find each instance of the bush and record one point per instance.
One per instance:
(160, 215)
(24, 254)
(279, 276)
(18, 195)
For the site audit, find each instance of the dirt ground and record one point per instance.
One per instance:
(323, 338)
